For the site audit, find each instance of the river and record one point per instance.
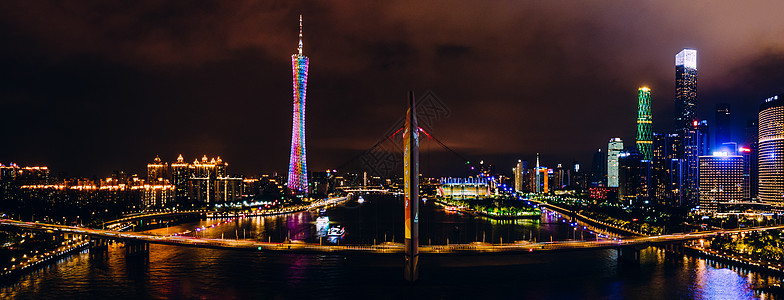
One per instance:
(191, 273)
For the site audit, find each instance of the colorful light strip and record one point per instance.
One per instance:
(298, 176)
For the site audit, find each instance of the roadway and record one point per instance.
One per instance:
(387, 248)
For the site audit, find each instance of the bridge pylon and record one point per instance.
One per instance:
(411, 191)
(136, 248)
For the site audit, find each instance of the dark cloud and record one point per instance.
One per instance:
(88, 87)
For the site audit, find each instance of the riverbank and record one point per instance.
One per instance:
(44, 259)
(474, 212)
(737, 260)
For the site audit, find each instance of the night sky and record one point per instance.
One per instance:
(91, 87)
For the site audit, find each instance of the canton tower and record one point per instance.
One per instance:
(298, 171)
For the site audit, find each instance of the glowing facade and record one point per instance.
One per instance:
(685, 89)
(771, 151)
(686, 122)
(644, 124)
(298, 170)
(721, 180)
(614, 148)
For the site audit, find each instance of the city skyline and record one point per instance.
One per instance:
(80, 130)
(538, 139)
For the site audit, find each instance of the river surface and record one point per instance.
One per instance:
(172, 272)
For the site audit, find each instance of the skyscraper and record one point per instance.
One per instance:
(599, 169)
(668, 169)
(771, 151)
(685, 89)
(156, 171)
(722, 125)
(685, 119)
(634, 178)
(644, 124)
(298, 170)
(520, 172)
(614, 148)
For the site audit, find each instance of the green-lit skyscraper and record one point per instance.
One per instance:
(644, 124)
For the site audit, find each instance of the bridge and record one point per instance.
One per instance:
(366, 190)
(213, 214)
(133, 238)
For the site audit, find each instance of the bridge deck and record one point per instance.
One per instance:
(299, 247)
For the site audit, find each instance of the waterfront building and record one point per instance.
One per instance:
(721, 181)
(614, 148)
(298, 170)
(771, 152)
(644, 123)
(464, 188)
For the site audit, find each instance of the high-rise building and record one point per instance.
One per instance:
(667, 169)
(722, 125)
(298, 170)
(599, 169)
(745, 152)
(156, 171)
(634, 178)
(180, 172)
(560, 180)
(721, 180)
(209, 183)
(520, 173)
(771, 151)
(577, 178)
(685, 89)
(752, 147)
(685, 118)
(696, 143)
(541, 178)
(644, 123)
(614, 148)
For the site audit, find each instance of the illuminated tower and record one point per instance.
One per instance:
(686, 122)
(298, 170)
(644, 124)
(685, 89)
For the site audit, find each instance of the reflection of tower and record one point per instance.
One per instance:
(644, 124)
(298, 176)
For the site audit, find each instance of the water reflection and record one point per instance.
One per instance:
(179, 272)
